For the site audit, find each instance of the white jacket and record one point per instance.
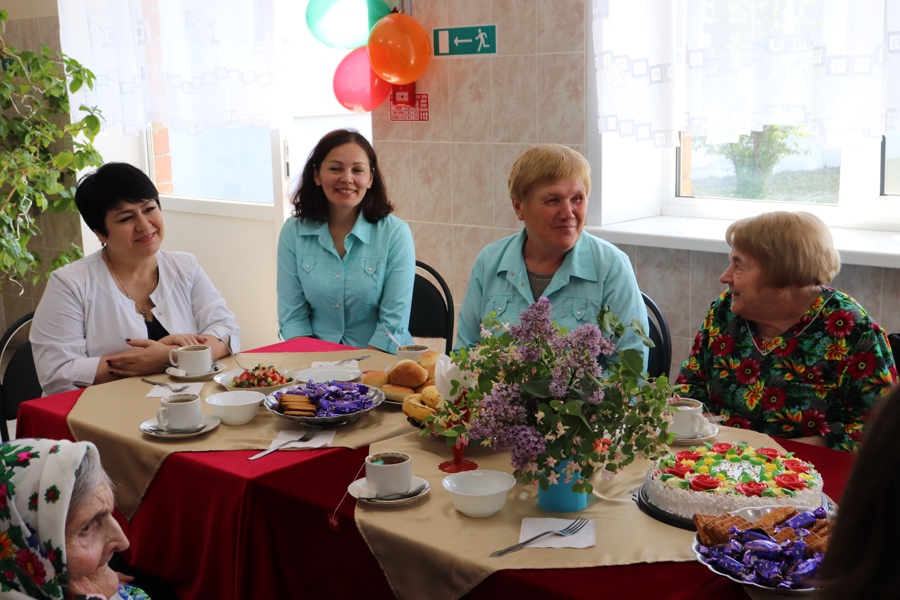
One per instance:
(83, 316)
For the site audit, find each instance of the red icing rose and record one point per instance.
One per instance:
(751, 488)
(770, 453)
(678, 470)
(688, 455)
(790, 481)
(795, 465)
(721, 448)
(704, 482)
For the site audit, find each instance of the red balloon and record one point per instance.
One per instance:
(356, 86)
(399, 49)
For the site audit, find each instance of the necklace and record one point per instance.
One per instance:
(143, 310)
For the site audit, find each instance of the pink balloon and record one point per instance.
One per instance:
(356, 86)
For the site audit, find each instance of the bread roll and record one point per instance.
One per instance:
(376, 378)
(413, 407)
(397, 393)
(408, 373)
(424, 385)
(429, 360)
(431, 397)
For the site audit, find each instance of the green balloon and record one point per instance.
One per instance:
(344, 23)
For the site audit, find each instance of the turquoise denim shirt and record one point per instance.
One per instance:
(350, 300)
(594, 274)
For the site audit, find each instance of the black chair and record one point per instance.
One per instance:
(660, 359)
(20, 381)
(432, 307)
(894, 339)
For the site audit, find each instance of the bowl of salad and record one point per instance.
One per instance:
(261, 378)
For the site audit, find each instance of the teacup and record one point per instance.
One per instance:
(687, 416)
(193, 360)
(181, 411)
(411, 351)
(388, 473)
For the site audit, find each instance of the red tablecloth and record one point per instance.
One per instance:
(218, 526)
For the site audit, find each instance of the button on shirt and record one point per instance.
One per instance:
(594, 273)
(347, 300)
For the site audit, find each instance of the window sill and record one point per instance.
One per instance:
(857, 246)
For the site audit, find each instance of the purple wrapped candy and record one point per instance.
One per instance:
(795, 551)
(753, 534)
(730, 565)
(337, 397)
(734, 547)
(804, 570)
(718, 551)
(769, 572)
(804, 520)
(763, 549)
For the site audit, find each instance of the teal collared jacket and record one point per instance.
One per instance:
(350, 300)
(594, 274)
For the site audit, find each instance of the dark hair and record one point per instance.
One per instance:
(860, 561)
(309, 200)
(109, 187)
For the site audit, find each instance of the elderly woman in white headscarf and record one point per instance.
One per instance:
(57, 531)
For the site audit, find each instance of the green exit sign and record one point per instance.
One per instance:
(456, 41)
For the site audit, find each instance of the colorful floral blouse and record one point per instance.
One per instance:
(820, 377)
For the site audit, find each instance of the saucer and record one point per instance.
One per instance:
(217, 368)
(695, 440)
(210, 422)
(357, 488)
(327, 374)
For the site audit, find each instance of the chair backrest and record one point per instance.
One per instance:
(20, 381)
(660, 359)
(432, 307)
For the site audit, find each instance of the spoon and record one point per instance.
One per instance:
(390, 497)
(393, 339)
(227, 341)
(179, 388)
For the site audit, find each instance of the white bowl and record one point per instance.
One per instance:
(479, 493)
(411, 352)
(236, 408)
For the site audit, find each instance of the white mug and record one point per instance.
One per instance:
(687, 418)
(388, 473)
(181, 411)
(411, 352)
(193, 360)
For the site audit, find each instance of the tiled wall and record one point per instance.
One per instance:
(58, 231)
(448, 176)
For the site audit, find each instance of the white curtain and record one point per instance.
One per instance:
(191, 64)
(721, 68)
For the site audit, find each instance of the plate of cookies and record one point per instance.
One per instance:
(775, 548)
(330, 403)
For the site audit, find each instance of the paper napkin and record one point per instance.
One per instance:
(159, 391)
(320, 440)
(352, 365)
(585, 538)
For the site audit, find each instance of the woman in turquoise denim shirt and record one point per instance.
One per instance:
(552, 256)
(346, 266)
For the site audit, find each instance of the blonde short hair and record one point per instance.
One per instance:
(793, 248)
(547, 162)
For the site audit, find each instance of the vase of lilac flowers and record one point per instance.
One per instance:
(565, 404)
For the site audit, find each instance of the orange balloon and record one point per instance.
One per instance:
(399, 49)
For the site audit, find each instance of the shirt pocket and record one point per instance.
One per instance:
(507, 308)
(365, 280)
(570, 309)
(310, 273)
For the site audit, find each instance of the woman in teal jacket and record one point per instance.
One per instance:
(346, 266)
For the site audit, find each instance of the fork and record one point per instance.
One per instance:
(176, 389)
(573, 528)
(310, 434)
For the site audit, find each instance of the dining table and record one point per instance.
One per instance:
(217, 525)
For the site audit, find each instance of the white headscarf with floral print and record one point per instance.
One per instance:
(36, 481)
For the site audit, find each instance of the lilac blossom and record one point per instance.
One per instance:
(525, 444)
(535, 323)
(499, 411)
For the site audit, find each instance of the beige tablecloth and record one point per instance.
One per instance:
(450, 551)
(110, 415)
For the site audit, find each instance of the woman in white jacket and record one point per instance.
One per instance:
(118, 312)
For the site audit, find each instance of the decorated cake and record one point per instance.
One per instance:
(718, 478)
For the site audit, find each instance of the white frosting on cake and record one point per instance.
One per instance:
(674, 494)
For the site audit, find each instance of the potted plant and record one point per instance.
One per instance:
(40, 150)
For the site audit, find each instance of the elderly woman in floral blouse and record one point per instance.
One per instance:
(779, 351)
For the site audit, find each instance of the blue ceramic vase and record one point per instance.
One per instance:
(560, 497)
